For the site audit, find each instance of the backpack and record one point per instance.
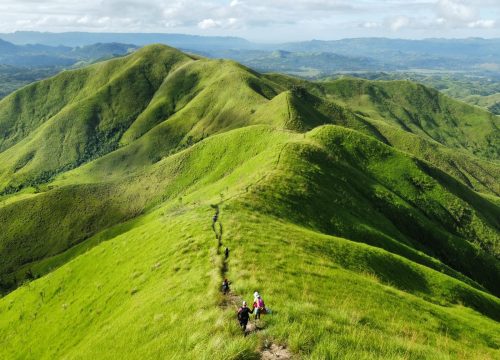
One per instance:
(260, 303)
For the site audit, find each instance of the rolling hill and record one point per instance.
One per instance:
(365, 212)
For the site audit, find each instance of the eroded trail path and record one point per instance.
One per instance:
(233, 301)
(275, 352)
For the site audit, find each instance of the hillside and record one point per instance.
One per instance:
(366, 213)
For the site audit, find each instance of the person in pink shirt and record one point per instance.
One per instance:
(258, 305)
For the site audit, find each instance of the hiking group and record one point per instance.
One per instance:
(244, 311)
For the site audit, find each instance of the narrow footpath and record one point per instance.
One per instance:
(231, 300)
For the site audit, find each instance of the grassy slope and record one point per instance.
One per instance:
(349, 185)
(428, 258)
(62, 122)
(479, 174)
(151, 291)
(73, 213)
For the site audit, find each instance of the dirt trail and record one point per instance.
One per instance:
(275, 352)
(233, 301)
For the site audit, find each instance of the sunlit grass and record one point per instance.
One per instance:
(366, 241)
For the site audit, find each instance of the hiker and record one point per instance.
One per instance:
(214, 219)
(225, 286)
(226, 252)
(258, 305)
(243, 316)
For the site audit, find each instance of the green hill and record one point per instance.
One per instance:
(366, 213)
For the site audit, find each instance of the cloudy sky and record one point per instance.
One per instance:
(260, 20)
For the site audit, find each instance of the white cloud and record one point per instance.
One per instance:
(461, 14)
(483, 24)
(370, 25)
(208, 24)
(84, 20)
(107, 19)
(399, 23)
(457, 11)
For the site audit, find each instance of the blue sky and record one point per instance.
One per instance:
(260, 20)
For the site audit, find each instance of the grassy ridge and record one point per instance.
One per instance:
(425, 112)
(326, 311)
(351, 186)
(413, 108)
(368, 239)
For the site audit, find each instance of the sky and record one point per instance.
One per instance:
(260, 20)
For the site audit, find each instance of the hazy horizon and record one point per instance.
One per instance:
(256, 41)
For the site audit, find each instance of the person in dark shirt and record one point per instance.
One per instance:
(225, 286)
(243, 316)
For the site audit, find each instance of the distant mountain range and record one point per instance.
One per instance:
(38, 55)
(82, 39)
(363, 53)
(24, 64)
(360, 54)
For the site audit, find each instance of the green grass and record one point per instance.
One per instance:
(72, 213)
(367, 238)
(332, 301)
(151, 292)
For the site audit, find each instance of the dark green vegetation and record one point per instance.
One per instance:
(367, 214)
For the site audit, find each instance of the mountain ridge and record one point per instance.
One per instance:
(108, 192)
